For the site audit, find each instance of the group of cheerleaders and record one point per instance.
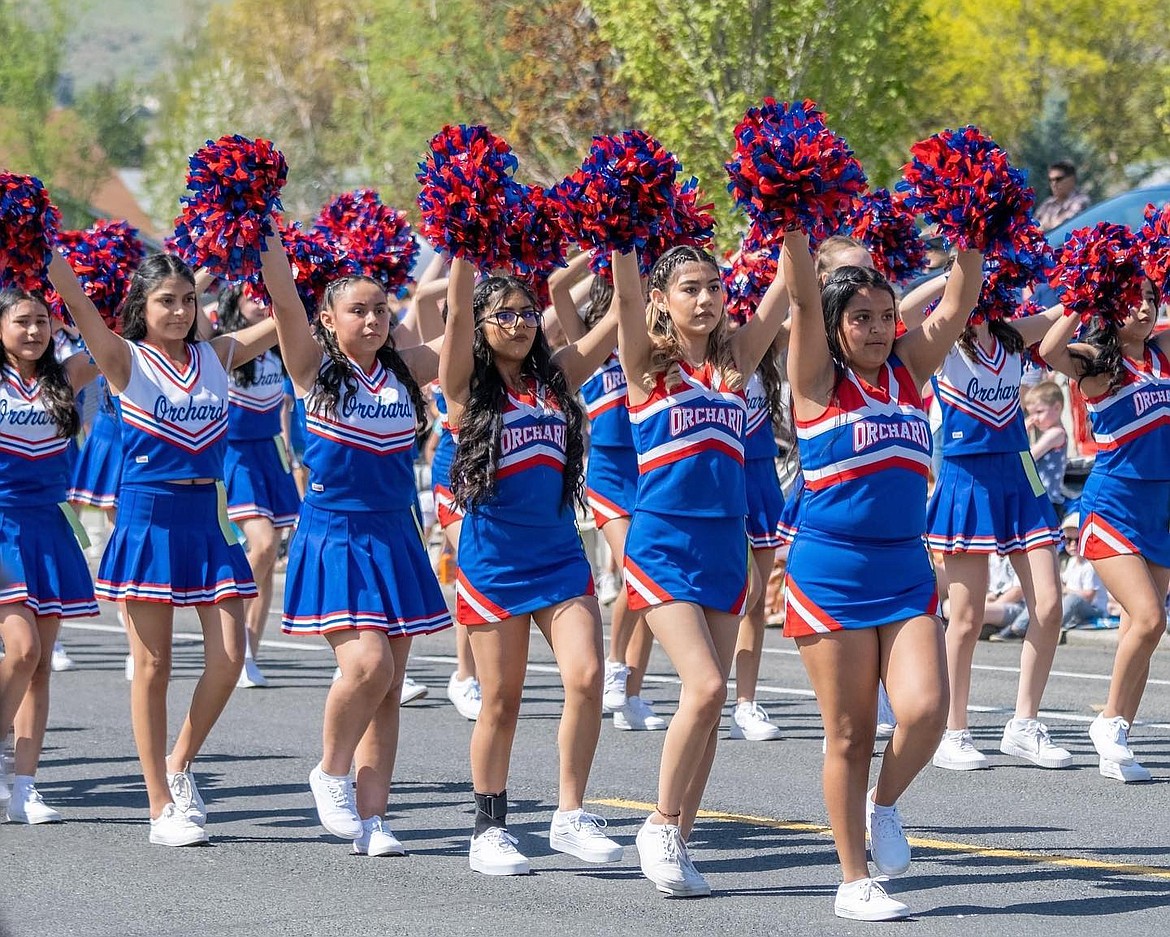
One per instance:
(682, 480)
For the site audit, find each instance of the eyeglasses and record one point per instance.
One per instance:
(510, 318)
(1055, 179)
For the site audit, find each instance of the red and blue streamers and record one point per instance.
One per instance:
(376, 238)
(533, 243)
(1155, 238)
(316, 260)
(747, 279)
(234, 185)
(104, 257)
(1098, 273)
(1009, 268)
(962, 182)
(889, 233)
(29, 223)
(788, 170)
(467, 187)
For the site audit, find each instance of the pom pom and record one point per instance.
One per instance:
(1098, 272)
(962, 182)
(235, 186)
(789, 170)
(104, 257)
(376, 238)
(316, 260)
(1008, 268)
(533, 242)
(467, 186)
(748, 277)
(29, 223)
(887, 229)
(1155, 238)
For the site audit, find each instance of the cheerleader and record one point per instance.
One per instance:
(172, 545)
(98, 468)
(45, 578)
(686, 558)
(358, 571)
(860, 584)
(1124, 373)
(516, 474)
(262, 497)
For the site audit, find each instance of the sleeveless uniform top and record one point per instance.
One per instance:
(759, 441)
(1132, 426)
(690, 446)
(361, 458)
(34, 460)
(254, 411)
(448, 437)
(605, 402)
(531, 467)
(174, 420)
(866, 459)
(980, 401)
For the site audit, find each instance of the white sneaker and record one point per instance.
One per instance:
(26, 805)
(888, 846)
(1133, 773)
(1028, 739)
(186, 796)
(887, 722)
(582, 835)
(129, 667)
(60, 660)
(412, 690)
(613, 695)
(494, 852)
(336, 804)
(251, 676)
(750, 721)
(638, 716)
(957, 752)
(1111, 739)
(377, 840)
(866, 900)
(171, 828)
(607, 588)
(662, 855)
(465, 696)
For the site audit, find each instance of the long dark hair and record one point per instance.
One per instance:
(1109, 358)
(1004, 332)
(232, 320)
(147, 278)
(473, 473)
(843, 284)
(773, 380)
(600, 298)
(338, 370)
(56, 391)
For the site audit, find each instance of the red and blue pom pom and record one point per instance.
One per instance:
(1098, 273)
(789, 170)
(1008, 268)
(234, 186)
(104, 257)
(747, 279)
(889, 233)
(376, 238)
(316, 260)
(1155, 238)
(533, 243)
(467, 186)
(962, 182)
(29, 223)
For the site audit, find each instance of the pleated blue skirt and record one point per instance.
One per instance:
(259, 484)
(42, 563)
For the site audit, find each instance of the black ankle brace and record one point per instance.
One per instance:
(490, 810)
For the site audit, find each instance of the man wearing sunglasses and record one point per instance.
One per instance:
(1066, 199)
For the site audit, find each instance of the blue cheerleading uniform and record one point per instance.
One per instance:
(765, 499)
(1125, 505)
(687, 540)
(357, 559)
(171, 542)
(44, 568)
(611, 477)
(858, 559)
(988, 497)
(256, 467)
(446, 510)
(98, 469)
(519, 550)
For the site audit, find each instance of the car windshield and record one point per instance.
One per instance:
(1128, 209)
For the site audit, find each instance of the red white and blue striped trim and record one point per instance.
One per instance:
(17, 593)
(166, 594)
(346, 620)
(1035, 539)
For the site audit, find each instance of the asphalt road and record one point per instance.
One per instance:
(1000, 851)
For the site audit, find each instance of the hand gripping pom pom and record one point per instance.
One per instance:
(234, 186)
(29, 223)
(961, 182)
(889, 233)
(104, 258)
(1155, 238)
(376, 238)
(1098, 273)
(788, 170)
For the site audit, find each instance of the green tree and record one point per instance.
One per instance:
(114, 111)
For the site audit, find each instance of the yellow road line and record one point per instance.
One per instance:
(942, 845)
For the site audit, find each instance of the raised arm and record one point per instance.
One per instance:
(811, 372)
(456, 361)
(923, 349)
(912, 308)
(581, 358)
(109, 351)
(633, 336)
(1033, 328)
(751, 341)
(428, 306)
(80, 370)
(564, 301)
(301, 353)
(1056, 350)
(238, 347)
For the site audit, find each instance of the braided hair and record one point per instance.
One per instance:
(56, 391)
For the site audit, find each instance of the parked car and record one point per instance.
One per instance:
(1127, 208)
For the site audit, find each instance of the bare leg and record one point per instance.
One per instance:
(367, 673)
(33, 715)
(262, 539)
(464, 659)
(150, 627)
(967, 575)
(22, 654)
(749, 645)
(378, 748)
(1039, 574)
(638, 656)
(501, 654)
